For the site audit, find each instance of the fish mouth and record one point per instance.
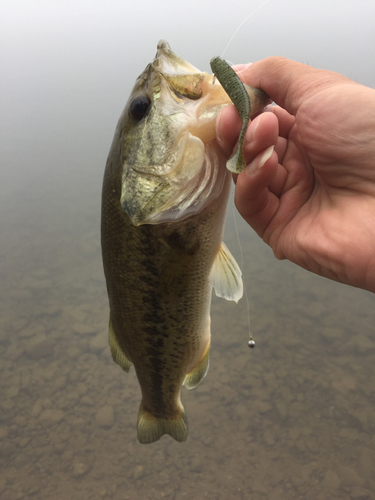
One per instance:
(167, 61)
(172, 167)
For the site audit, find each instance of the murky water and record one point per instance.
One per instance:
(293, 418)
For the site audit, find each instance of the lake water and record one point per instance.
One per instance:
(293, 418)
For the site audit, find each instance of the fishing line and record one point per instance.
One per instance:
(244, 21)
(251, 342)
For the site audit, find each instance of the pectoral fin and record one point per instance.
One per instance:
(226, 275)
(117, 354)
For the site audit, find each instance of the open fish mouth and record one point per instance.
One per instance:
(169, 173)
(170, 158)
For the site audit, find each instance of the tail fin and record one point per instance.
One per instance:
(151, 429)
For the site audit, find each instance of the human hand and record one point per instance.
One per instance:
(312, 199)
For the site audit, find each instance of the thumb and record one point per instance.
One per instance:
(288, 83)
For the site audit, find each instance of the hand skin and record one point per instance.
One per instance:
(313, 200)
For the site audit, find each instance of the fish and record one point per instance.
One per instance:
(164, 202)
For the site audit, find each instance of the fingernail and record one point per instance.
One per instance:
(266, 156)
(257, 123)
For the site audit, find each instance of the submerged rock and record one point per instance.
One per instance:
(80, 469)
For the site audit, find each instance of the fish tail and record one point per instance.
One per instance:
(151, 428)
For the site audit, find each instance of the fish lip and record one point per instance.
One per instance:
(163, 45)
(166, 56)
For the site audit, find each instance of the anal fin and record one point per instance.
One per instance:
(118, 355)
(196, 375)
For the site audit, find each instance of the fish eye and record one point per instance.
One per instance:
(140, 107)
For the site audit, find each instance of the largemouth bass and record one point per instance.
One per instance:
(164, 202)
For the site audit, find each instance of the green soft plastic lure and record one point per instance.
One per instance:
(237, 92)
